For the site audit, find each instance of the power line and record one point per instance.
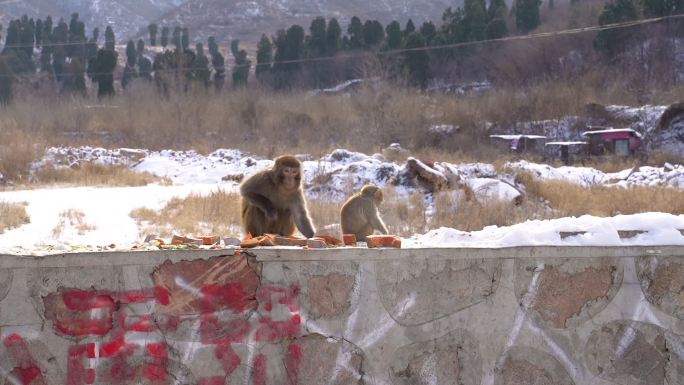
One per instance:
(353, 55)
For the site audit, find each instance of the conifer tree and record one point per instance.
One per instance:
(185, 38)
(164, 41)
(131, 54)
(317, 41)
(527, 15)
(417, 62)
(103, 66)
(242, 64)
(394, 35)
(355, 32)
(176, 38)
(6, 82)
(612, 41)
(373, 33)
(332, 37)
(110, 40)
(264, 57)
(152, 29)
(429, 31)
(202, 72)
(410, 28)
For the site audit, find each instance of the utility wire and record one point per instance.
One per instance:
(353, 55)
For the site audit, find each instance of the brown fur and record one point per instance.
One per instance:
(270, 206)
(360, 216)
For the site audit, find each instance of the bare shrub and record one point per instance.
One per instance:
(12, 215)
(72, 219)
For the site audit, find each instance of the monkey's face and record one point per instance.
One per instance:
(290, 177)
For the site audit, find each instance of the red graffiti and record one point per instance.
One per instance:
(130, 342)
(25, 367)
(293, 360)
(259, 371)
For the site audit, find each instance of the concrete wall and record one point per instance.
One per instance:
(526, 315)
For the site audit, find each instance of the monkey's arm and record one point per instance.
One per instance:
(301, 219)
(249, 191)
(375, 220)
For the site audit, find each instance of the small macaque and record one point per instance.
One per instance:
(273, 201)
(360, 216)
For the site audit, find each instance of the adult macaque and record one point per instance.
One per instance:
(360, 216)
(273, 200)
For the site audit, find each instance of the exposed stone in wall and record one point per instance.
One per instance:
(452, 359)
(564, 293)
(328, 290)
(223, 282)
(329, 295)
(662, 281)
(315, 359)
(634, 353)
(528, 366)
(5, 282)
(416, 292)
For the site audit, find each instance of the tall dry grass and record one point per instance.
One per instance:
(269, 123)
(12, 215)
(91, 174)
(215, 214)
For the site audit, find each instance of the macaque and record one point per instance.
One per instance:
(273, 200)
(360, 216)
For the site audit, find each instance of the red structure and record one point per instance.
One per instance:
(617, 141)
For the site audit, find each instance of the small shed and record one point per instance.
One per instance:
(564, 150)
(617, 141)
(522, 143)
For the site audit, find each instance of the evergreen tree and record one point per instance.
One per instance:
(660, 8)
(129, 74)
(527, 15)
(612, 41)
(140, 47)
(289, 47)
(103, 66)
(317, 43)
(185, 38)
(110, 40)
(264, 57)
(202, 72)
(144, 67)
(212, 46)
(496, 19)
(39, 32)
(91, 46)
(217, 62)
(475, 20)
(373, 33)
(410, 28)
(131, 54)
(6, 82)
(417, 62)
(152, 29)
(164, 36)
(429, 31)
(332, 37)
(355, 32)
(59, 38)
(74, 77)
(242, 64)
(394, 35)
(176, 38)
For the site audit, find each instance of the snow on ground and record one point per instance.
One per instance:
(333, 177)
(106, 210)
(660, 229)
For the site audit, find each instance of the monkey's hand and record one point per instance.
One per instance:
(272, 215)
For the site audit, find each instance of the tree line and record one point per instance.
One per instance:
(291, 57)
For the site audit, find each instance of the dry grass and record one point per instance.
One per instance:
(12, 215)
(72, 219)
(215, 214)
(569, 199)
(269, 123)
(91, 174)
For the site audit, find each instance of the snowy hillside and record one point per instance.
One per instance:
(332, 177)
